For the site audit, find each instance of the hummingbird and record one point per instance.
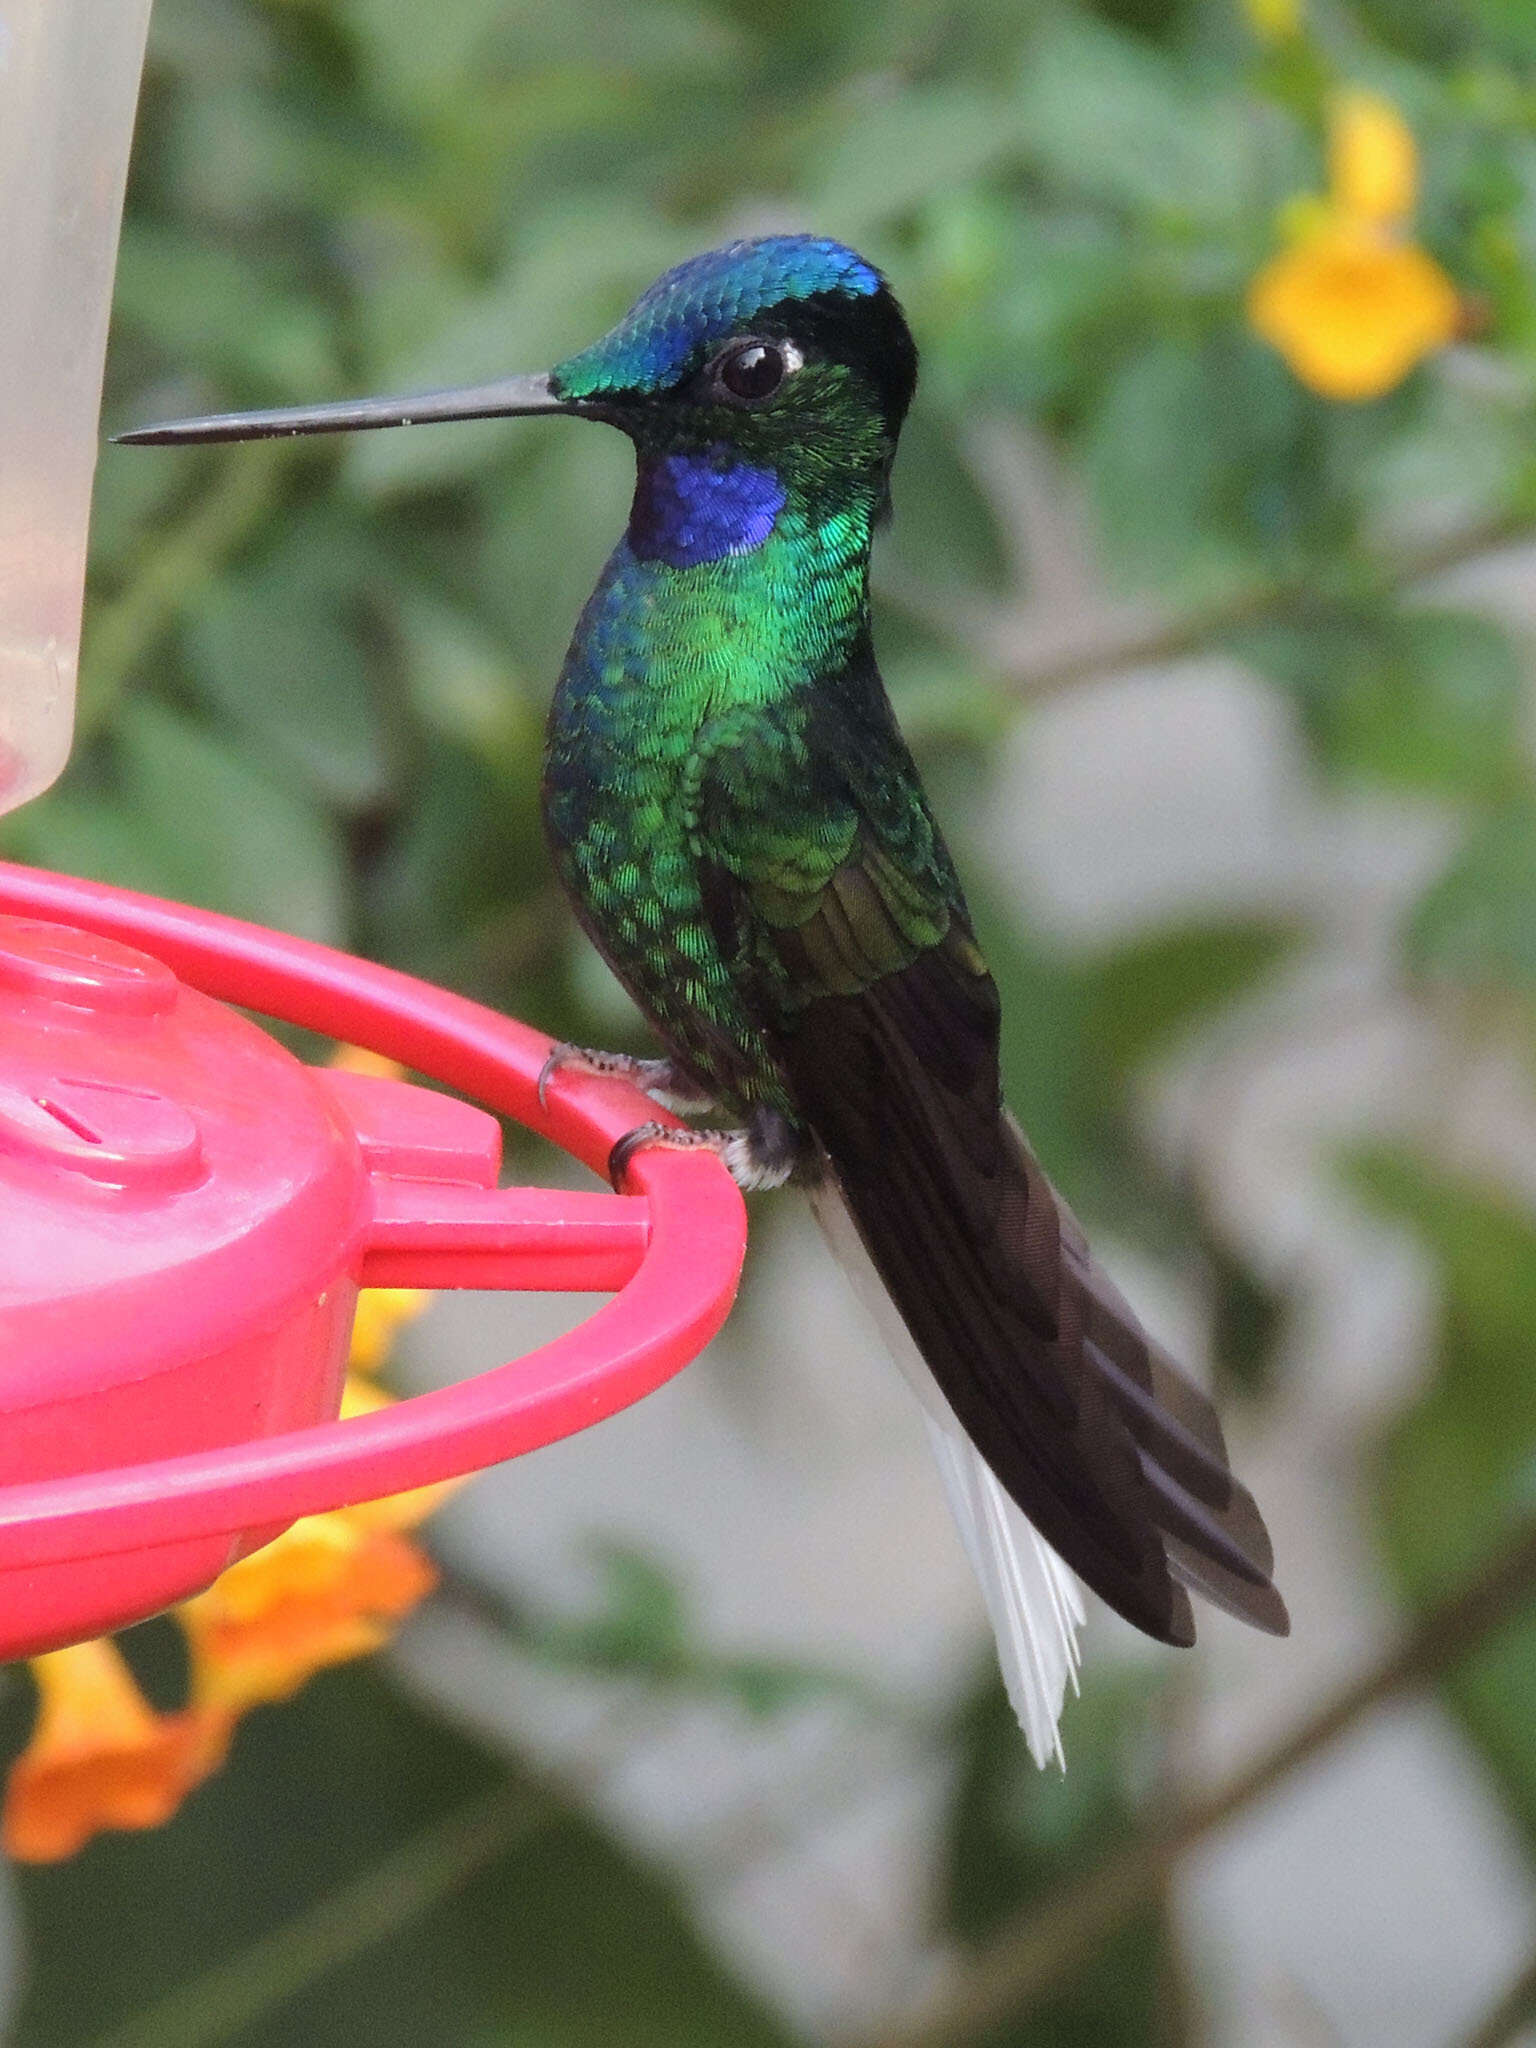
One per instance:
(743, 833)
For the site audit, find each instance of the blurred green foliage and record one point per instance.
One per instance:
(552, 1935)
(314, 680)
(1461, 1468)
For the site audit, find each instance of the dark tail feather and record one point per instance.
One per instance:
(1032, 1600)
(1111, 1453)
(1117, 1459)
(1214, 1534)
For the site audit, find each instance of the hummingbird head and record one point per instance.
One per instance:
(788, 353)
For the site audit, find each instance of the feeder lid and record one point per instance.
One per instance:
(170, 1173)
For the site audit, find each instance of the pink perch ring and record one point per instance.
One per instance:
(187, 1211)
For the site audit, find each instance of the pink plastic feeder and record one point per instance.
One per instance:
(187, 1212)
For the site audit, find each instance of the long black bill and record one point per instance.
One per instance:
(506, 398)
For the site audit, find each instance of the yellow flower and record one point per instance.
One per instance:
(1353, 304)
(357, 1059)
(100, 1756)
(396, 1510)
(1353, 313)
(1273, 21)
(381, 1312)
(1373, 167)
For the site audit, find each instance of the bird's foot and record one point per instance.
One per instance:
(764, 1155)
(659, 1079)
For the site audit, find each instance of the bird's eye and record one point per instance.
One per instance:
(754, 371)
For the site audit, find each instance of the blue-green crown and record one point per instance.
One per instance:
(671, 328)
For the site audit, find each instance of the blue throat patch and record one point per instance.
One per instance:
(691, 509)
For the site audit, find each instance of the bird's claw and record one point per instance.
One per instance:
(657, 1078)
(626, 1147)
(738, 1152)
(585, 1059)
(554, 1060)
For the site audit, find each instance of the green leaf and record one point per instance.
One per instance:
(1017, 1832)
(1455, 1475)
(1248, 1319)
(901, 149)
(645, 1630)
(546, 531)
(1146, 993)
(449, 894)
(944, 537)
(564, 1937)
(475, 44)
(1459, 451)
(1454, 721)
(207, 41)
(239, 152)
(643, 1620)
(1152, 460)
(277, 647)
(129, 500)
(1475, 924)
(1076, 1033)
(1047, 1064)
(1423, 700)
(1106, 115)
(460, 678)
(186, 817)
(237, 317)
(570, 275)
(1201, 463)
(1033, 330)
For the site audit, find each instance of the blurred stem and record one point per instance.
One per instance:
(1179, 2013)
(1198, 631)
(174, 564)
(1109, 650)
(1505, 2020)
(1048, 1941)
(410, 1880)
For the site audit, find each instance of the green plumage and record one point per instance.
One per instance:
(719, 747)
(744, 835)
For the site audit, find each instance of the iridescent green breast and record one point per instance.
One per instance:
(649, 667)
(722, 612)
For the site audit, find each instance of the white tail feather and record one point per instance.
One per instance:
(1032, 1599)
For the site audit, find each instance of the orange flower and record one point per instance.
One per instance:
(100, 1756)
(1354, 304)
(330, 1588)
(327, 1590)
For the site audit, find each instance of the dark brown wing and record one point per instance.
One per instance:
(891, 1050)
(831, 896)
